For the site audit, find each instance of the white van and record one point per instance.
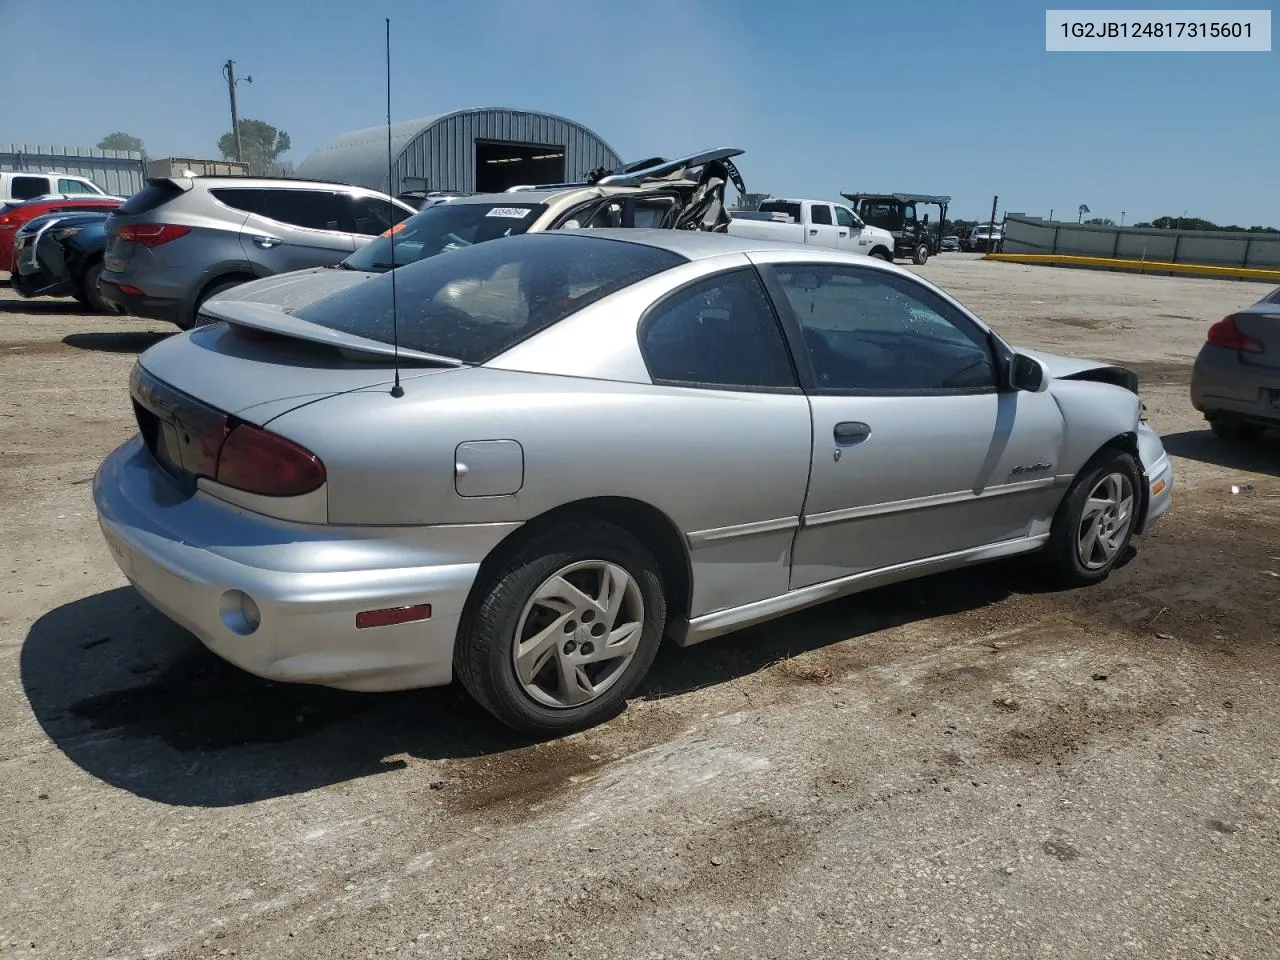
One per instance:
(16, 186)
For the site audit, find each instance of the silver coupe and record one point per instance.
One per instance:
(527, 462)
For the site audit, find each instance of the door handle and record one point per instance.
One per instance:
(813, 233)
(266, 243)
(844, 233)
(850, 432)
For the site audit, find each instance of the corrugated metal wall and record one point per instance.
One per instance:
(445, 153)
(119, 172)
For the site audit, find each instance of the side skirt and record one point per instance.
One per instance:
(720, 622)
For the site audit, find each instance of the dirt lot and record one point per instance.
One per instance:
(960, 767)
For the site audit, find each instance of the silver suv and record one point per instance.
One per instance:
(181, 240)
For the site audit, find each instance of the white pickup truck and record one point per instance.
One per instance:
(814, 222)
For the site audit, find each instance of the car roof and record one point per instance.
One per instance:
(96, 198)
(702, 244)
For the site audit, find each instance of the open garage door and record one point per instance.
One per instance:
(501, 164)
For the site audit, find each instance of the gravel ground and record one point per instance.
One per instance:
(964, 766)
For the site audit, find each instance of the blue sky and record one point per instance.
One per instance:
(956, 98)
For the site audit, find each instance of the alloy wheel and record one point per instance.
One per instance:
(578, 633)
(1105, 521)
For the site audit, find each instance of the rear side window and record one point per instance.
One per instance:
(474, 303)
(821, 214)
(651, 213)
(250, 201)
(309, 209)
(717, 332)
(155, 194)
(373, 217)
(24, 188)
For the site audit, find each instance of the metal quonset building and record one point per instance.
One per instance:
(474, 151)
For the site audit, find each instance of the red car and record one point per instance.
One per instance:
(14, 215)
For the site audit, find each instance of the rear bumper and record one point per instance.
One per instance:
(141, 305)
(193, 557)
(1223, 386)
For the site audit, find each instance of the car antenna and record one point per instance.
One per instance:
(396, 390)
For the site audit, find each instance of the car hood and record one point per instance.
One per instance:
(289, 291)
(1073, 368)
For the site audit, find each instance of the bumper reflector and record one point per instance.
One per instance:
(1157, 487)
(393, 615)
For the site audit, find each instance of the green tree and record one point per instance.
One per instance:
(262, 145)
(1101, 222)
(121, 141)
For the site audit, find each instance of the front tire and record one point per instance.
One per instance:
(558, 637)
(883, 254)
(921, 255)
(1096, 520)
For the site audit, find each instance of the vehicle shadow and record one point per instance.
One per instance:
(1259, 456)
(679, 671)
(62, 306)
(137, 702)
(115, 341)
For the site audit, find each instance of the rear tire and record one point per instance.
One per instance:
(1096, 520)
(572, 592)
(208, 293)
(1237, 431)
(91, 291)
(921, 255)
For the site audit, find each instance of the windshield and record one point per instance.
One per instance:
(475, 303)
(442, 228)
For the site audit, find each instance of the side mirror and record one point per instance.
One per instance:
(1028, 373)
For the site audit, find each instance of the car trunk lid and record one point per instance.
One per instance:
(191, 390)
(1261, 323)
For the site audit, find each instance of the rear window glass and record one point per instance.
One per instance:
(154, 194)
(444, 228)
(475, 303)
(24, 188)
(792, 210)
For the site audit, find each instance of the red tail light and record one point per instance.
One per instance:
(152, 234)
(256, 461)
(1226, 334)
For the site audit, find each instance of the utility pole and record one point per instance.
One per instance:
(991, 225)
(229, 72)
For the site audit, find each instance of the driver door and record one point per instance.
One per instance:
(914, 444)
(851, 236)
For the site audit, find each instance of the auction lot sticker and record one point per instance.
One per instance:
(1155, 31)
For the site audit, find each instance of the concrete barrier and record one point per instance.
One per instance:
(1025, 234)
(1140, 266)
